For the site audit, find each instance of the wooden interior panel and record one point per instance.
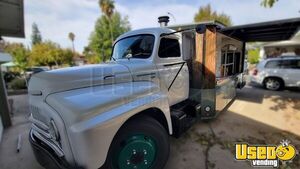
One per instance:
(204, 62)
(209, 63)
(197, 62)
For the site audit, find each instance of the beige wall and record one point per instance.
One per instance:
(277, 51)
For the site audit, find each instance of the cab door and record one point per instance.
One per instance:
(173, 70)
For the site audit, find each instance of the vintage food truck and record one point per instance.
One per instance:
(159, 82)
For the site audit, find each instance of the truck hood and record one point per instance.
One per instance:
(54, 81)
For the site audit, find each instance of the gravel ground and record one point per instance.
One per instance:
(256, 116)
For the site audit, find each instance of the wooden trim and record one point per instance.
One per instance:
(210, 58)
(197, 62)
(204, 62)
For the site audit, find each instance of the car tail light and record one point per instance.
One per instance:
(255, 71)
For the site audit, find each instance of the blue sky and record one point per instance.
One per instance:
(56, 18)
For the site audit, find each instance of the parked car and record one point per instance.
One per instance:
(277, 73)
(31, 71)
(9, 76)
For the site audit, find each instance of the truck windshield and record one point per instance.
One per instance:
(139, 46)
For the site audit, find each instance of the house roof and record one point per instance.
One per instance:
(294, 41)
(265, 31)
(256, 32)
(283, 43)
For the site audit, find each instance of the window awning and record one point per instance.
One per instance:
(264, 31)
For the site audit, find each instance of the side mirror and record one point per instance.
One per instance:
(200, 28)
(128, 56)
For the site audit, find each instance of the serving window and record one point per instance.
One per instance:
(230, 60)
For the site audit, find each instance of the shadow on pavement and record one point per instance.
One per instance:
(288, 96)
(211, 145)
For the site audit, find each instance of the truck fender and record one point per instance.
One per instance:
(94, 116)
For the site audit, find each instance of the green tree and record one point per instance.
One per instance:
(19, 53)
(205, 13)
(49, 54)
(72, 39)
(36, 36)
(67, 56)
(268, 3)
(253, 56)
(107, 7)
(90, 55)
(107, 28)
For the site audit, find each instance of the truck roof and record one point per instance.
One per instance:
(156, 31)
(194, 25)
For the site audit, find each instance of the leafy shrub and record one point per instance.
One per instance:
(18, 83)
(253, 56)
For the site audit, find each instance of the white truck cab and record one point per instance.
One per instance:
(79, 110)
(120, 114)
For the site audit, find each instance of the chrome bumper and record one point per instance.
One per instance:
(46, 156)
(42, 132)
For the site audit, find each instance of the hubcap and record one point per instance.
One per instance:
(272, 84)
(137, 152)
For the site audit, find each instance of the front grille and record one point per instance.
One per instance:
(58, 151)
(43, 132)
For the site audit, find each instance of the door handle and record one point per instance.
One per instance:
(152, 75)
(109, 77)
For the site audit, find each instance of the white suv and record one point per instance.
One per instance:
(276, 73)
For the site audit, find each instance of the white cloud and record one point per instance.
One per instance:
(56, 18)
(244, 12)
(146, 16)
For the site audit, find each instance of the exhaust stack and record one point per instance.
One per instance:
(163, 21)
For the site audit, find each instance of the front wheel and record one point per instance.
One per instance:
(141, 143)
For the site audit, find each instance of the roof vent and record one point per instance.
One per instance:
(163, 21)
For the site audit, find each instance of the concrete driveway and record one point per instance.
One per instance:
(256, 116)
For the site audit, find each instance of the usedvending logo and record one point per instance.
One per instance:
(265, 155)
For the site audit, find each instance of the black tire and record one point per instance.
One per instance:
(150, 128)
(278, 84)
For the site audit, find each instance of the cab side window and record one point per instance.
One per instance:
(169, 48)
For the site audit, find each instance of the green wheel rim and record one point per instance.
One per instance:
(137, 152)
